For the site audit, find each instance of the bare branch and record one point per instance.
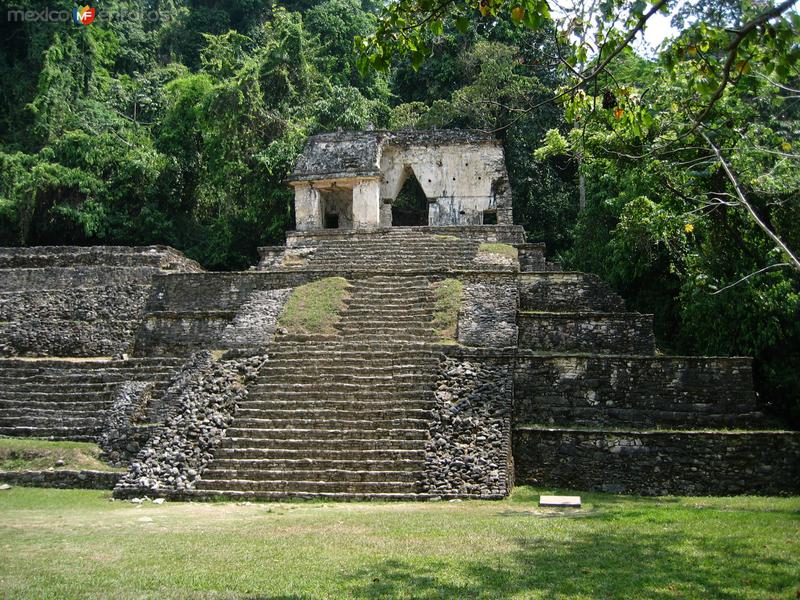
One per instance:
(743, 199)
(746, 277)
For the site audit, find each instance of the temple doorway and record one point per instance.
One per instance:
(410, 208)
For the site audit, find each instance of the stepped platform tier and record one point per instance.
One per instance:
(78, 301)
(398, 249)
(68, 399)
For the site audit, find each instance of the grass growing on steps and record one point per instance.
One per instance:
(23, 454)
(314, 308)
(77, 544)
(448, 302)
(506, 250)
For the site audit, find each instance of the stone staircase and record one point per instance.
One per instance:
(395, 250)
(66, 399)
(342, 417)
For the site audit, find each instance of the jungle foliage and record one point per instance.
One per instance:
(177, 121)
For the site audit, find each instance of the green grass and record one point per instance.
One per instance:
(448, 302)
(21, 454)
(506, 250)
(78, 544)
(314, 308)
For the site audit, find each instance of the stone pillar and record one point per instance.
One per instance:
(367, 203)
(386, 213)
(307, 207)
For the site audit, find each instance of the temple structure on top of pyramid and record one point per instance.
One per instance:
(351, 180)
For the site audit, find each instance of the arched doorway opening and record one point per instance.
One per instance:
(410, 208)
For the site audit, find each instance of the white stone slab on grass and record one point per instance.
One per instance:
(563, 501)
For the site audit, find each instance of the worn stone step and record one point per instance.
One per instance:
(345, 379)
(376, 404)
(346, 363)
(323, 396)
(317, 475)
(79, 405)
(306, 464)
(311, 443)
(83, 433)
(30, 414)
(406, 487)
(328, 417)
(358, 433)
(312, 424)
(323, 454)
(322, 389)
(332, 496)
(56, 396)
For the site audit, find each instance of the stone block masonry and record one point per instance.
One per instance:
(567, 291)
(635, 391)
(76, 301)
(693, 463)
(488, 315)
(630, 333)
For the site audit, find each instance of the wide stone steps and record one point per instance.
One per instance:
(370, 476)
(310, 487)
(346, 414)
(67, 399)
(305, 442)
(272, 465)
(324, 405)
(8, 406)
(313, 424)
(33, 413)
(381, 413)
(320, 433)
(76, 433)
(322, 457)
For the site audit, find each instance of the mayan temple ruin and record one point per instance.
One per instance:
(458, 363)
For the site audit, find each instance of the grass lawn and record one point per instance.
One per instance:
(20, 454)
(72, 543)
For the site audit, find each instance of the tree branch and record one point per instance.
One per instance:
(746, 277)
(743, 199)
(733, 48)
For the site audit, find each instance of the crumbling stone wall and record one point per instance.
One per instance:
(205, 397)
(630, 333)
(567, 291)
(469, 448)
(637, 391)
(119, 439)
(659, 462)
(77, 301)
(488, 315)
(187, 313)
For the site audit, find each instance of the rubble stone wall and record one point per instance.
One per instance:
(692, 463)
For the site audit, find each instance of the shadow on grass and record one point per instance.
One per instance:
(665, 565)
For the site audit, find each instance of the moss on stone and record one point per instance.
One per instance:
(23, 454)
(503, 249)
(315, 308)
(448, 293)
